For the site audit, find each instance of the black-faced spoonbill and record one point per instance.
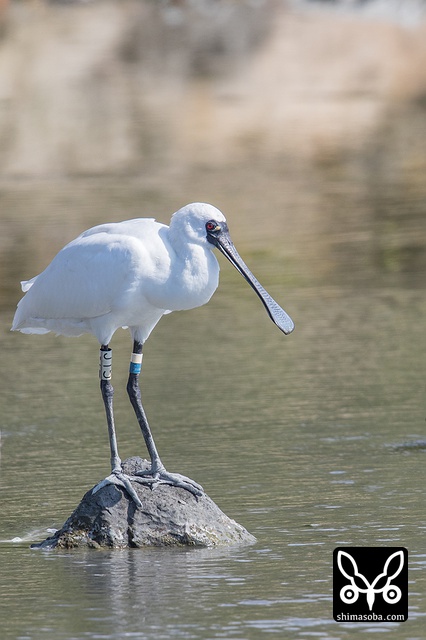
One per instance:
(129, 274)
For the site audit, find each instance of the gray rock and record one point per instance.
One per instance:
(170, 516)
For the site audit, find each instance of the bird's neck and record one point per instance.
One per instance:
(198, 262)
(197, 277)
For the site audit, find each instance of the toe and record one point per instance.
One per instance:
(119, 479)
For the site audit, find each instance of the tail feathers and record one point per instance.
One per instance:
(27, 284)
(30, 329)
(27, 325)
(20, 321)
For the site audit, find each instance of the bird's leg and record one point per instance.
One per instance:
(117, 476)
(157, 474)
(134, 392)
(107, 391)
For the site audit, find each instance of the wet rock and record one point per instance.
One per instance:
(170, 516)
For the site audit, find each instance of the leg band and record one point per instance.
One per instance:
(105, 366)
(136, 362)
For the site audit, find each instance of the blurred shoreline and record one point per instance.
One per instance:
(305, 124)
(134, 86)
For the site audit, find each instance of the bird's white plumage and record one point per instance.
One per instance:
(129, 274)
(123, 274)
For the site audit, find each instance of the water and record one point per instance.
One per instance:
(310, 441)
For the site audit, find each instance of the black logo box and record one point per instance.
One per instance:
(370, 584)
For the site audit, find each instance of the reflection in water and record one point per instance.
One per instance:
(149, 584)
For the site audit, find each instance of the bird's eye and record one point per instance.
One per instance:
(212, 225)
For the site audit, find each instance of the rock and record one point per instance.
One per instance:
(170, 516)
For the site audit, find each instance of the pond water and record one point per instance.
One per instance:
(311, 441)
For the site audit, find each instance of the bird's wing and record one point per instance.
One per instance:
(84, 280)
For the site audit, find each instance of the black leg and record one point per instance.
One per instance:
(134, 392)
(157, 474)
(117, 476)
(107, 392)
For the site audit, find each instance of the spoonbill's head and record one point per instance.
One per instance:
(203, 223)
(189, 223)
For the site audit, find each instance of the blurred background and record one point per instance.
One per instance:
(304, 121)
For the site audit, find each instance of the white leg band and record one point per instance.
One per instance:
(105, 367)
(136, 362)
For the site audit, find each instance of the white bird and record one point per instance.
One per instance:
(129, 274)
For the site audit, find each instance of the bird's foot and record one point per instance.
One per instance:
(161, 476)
(120, 479)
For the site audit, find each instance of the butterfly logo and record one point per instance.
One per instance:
(391, 593)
